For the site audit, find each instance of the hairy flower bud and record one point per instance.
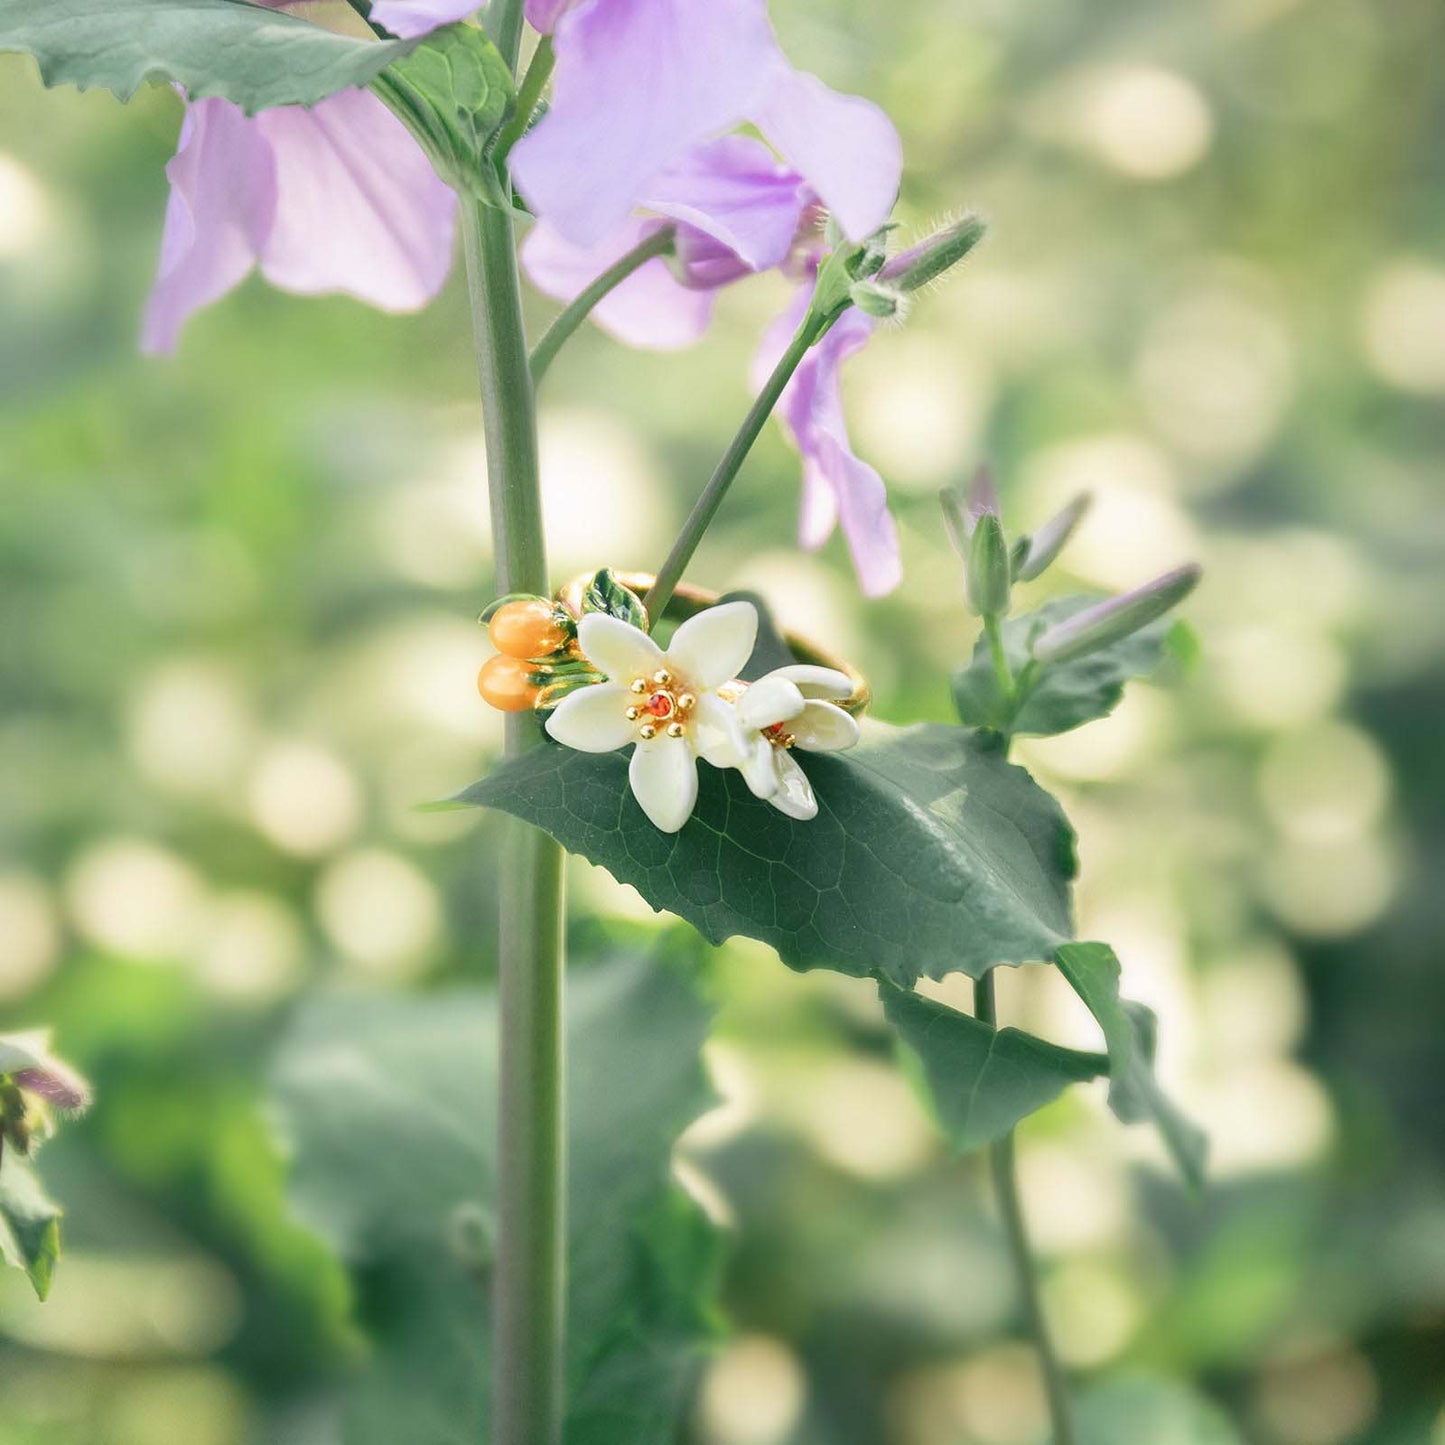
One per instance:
(937, 254)
(961, 510)
(876, 299)
(1118, 617)
(1050, 539)
(988, 567)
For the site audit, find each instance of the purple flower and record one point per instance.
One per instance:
(838, 487)
(640, 84)
(736, 210)
(335, 198)
(408, 18)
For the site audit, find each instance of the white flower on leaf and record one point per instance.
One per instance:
(665, 702)
(786, 709)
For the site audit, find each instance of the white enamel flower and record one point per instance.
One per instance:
(787, 709)
(665, 702)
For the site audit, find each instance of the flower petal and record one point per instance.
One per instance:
(823, 728)
(651, 309)
(359, 208)
(759, 768)
(717, 733)
(617, 648)
(814, 681)
(795, 795)
(845, 146)
(714, 646)
(638, 84)
(771, 699)
(409, 18)
(663, 774)
(593, 719)
(734, 193)
(221, 207)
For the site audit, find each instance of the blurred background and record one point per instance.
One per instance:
(238, 646)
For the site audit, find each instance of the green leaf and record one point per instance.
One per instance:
(982, 1080)
(604, 593)
(247, 54)
(1163, 1412)
(1129, 1031)
(454, 92)
(29, 1223)
(390, 1106)
(930, 854)
(1066, 695)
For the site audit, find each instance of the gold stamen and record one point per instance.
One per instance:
(675, 730)
(686, 702)
(662, 677)
(639, 684)
(647, 732)
(633, 713)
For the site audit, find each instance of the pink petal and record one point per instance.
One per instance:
(408, 18)
(221, 207)
(542, 15)
(734, 192)
(845, 145)
(359, 208)
(638, 84)
(650, 309)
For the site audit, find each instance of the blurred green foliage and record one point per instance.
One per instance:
(238, 593)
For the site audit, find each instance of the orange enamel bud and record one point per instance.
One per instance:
(526, 629)
(506, 683)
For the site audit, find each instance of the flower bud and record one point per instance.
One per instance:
(1050, 539)
(914, 268)
(878, 300)
(988, 567)
(961, 512)
(1116, 618)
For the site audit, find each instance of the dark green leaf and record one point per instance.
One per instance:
(453, 93)
(604, 593)
(930, 854)
(1066, 695)
(390, 1105)
(982, 1080)
(250, 55)
(1129, 1031)
(29, 1223)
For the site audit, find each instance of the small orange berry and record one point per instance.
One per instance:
(505, 683)
(526, 629)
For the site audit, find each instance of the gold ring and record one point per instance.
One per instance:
(687, 601)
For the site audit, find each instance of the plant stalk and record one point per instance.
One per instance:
(812, 330)
(659, 243)
(529, 96)
(529, 1284)
(1010, 1208)
(994, 631)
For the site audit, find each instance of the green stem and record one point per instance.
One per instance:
(1010, 1208)
(659, 243)
(994, 631)
(529, 96)
(812, 330)
(529, 1281)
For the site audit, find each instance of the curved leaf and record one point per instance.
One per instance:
(29, 1223)
(930, 854)
(245, 53)
(982, 1080)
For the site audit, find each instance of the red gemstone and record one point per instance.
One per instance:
(660, 704)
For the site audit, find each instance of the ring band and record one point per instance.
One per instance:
(687, 601)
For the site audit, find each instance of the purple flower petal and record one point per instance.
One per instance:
(838, 486)
(650, 309)
(638, 84)
(222, 202)
(734, 192)
(409, 18)
(845, 145)
(359, 208)
(542, 15)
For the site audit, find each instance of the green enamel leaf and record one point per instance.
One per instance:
(1066, 695)
(253, 56)
(1129, 1031)
(982, 1080)
(604, 593)
(389, 1105)
(29, 1223)
(454, 92)
(930, 854)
